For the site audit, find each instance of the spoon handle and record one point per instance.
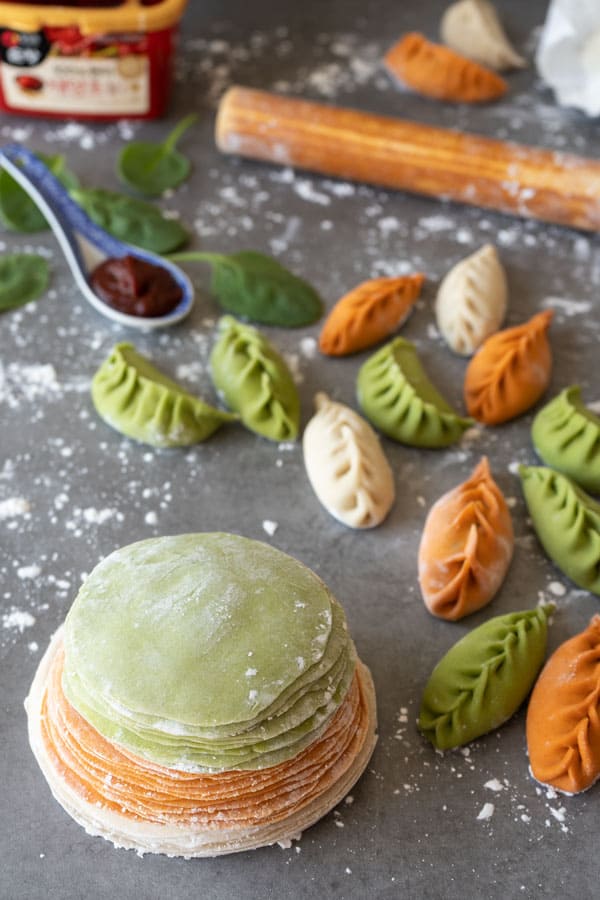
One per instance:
(63, 215)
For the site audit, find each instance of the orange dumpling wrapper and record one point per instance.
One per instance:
(510, 371)
(114, 779)
(563, 719)
(369, 313)
(436, 71)
(466, 547)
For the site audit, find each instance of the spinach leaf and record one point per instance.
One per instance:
(23, 277)
(151, 168)
(18, 212)
(257, 287)
(131, 220)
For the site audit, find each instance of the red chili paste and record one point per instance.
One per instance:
(136, 287)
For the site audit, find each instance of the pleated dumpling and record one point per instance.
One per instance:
(346, 466)
(563, 718)
(255, 381)
(466, 547)
(471, 301)
(139, 401)
(567, 522)
(438, 72)
(398, 398)
(566, 435)
(472, 27)
(484, 678)
(369, 313)
(510, 371)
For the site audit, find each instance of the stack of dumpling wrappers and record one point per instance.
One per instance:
(203, 697)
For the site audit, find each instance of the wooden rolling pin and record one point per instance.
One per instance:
(346, 143)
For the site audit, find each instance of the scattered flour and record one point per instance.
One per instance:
(388, 224)
(556, 588)
(568, 307)
(308, 347)
(304, 188)
(98, 516)
(191, 372)
(14, 506)
(494, 785)
(28, 383)
(31, 571)
(471, 436)
(486, 812)
(18, 619)
(436, 223)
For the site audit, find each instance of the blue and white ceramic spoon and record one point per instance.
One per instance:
(84, 244)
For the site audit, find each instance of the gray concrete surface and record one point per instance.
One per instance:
(412, 830)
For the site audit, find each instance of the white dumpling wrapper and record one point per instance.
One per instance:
(472, 27)
(346, 466)
(471, 301)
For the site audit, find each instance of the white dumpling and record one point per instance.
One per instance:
(346, 465)
(471, 302)
(472, 27)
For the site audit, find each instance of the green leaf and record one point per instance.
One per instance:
(23, 277)
(18, 212)
(484, 678)
(151, 168)
(130, 220)
(257, 287)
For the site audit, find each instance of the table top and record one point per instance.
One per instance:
(419, 824)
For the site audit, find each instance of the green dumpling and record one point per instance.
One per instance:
(396, 395)
(567, 522)
(206, 652)
(255, 381)
(484, 678)
(566, 436)
(139, 401)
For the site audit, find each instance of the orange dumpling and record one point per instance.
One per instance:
(437, 71)
(466, 547)
(369, 313)
(563, 719)
(510, 371)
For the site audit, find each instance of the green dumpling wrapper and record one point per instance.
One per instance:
(567, 522)
(255, 381)
(266, 741)
(566, 436)
(139, 401)
(484, 678)
(396, 395)
(206, 651)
